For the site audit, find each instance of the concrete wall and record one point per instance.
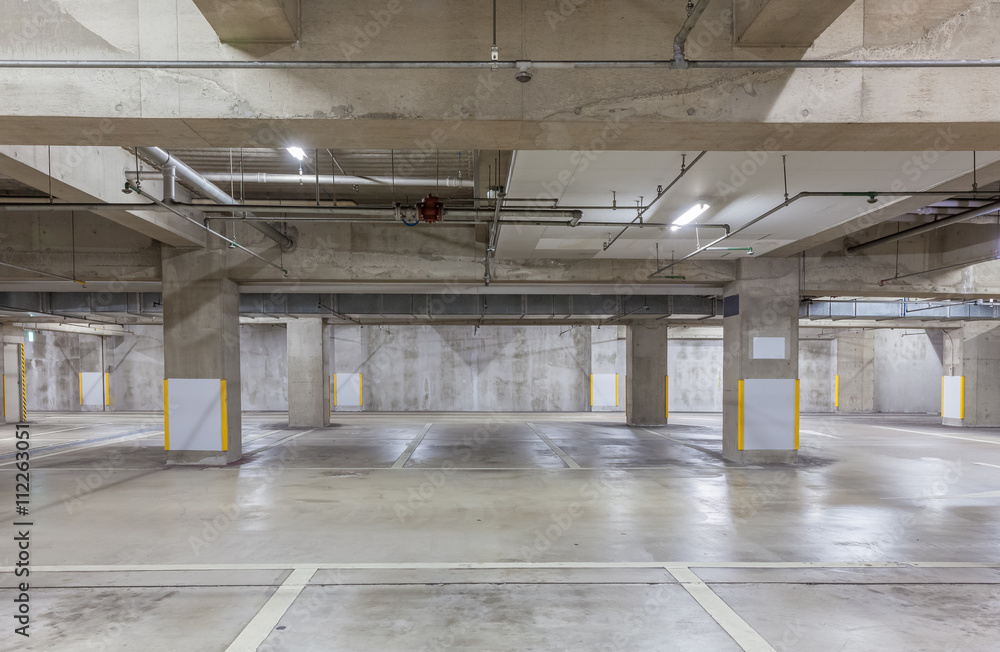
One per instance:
(135, 364)
(817, 369)
(53, 367)
(502, 368)
(263, 367)
(908, 369)
(695, 370)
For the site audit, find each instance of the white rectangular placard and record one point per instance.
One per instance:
(953, 397)
(604, 391)
(347, 390)
(769, 348)
(195, 420)
(769, 416)
(11, 398)
(91, 388)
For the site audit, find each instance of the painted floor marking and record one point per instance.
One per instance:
(267, 618)
(398, 464)
(570, 462)
(934, 434)
(744, 635)
(115, 440)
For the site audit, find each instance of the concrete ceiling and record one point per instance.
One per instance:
(739, 186)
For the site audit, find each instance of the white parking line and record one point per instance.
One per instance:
(398, 464)
(570, 462)
(267, 618)
(744, 635)
(934, 434)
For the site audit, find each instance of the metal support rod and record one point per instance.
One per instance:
(316, 178)
(38, 271)
(684, 170)
(970, 263)
(491, 240)
(926, 228)
(143, 193)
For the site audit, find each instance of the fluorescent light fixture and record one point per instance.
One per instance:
(31, 336)
(690, 216)
(297, 152)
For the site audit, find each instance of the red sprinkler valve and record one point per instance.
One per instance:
(430, 209)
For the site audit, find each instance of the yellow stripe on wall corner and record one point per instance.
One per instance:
(666, 397)
(166, 415)
(591, 390)
(335, 389)
(836, 391)
(80, 379)
(961, 404)
(107, 389)
(361, 390)
(3, 380)
(739, 420)
(796, 414)
(616, 390)
(225, 419)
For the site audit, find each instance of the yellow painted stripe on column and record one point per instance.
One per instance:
(361, 390)
(24, 387)
(166, 416)
(591, 390)
(329, 398)
(961, 405)
(225, 419)
(796, 414)
(107, 389)
(335, 389)
(666, 397)
(3, 381)
(836, 391)
(79, 378)
(739, 419)
(942, 395)
(616, 390)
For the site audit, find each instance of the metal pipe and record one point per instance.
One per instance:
(49, 208)
(491, 239)
(322, 179)
(970, 263)
(143, 193)
(447, 223)
(161, 158)
(926, 228)
(668, 64)
(38, 271)
(680, 61)
(684, 170)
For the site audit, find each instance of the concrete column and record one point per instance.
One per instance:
(975, 355)
(646, 374)
(761, 343)
(201, 340)
(856, 372)
(308, 374)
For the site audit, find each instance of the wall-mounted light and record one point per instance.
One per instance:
(297, 152)
(31, 336)
(690, 216)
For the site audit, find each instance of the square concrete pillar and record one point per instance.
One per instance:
(646, 374)
(855, 391)
(308, 374)
(761, 362)
(973, 356)
(201, 358)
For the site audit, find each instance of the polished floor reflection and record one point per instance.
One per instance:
(511, 532)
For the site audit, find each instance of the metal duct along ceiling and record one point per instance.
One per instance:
(250, 174)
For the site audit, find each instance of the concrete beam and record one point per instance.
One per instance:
(261, 21)
(94, 174)
(784, 23)
(621, 109)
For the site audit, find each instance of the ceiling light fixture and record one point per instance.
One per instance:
(297, 152)
(690, 216)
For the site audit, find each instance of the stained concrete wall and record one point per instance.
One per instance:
(54, 362)
(494, 368)
(135, 364)
(908, 369)
(817, 369)
(695, 370)
(264, 367)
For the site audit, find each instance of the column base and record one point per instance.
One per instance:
(646, 423)
(764, 457)
(200, 458)
(949, 421)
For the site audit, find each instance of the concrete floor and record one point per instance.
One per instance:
(508, 532)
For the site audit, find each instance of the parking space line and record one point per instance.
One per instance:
(569, 461)
(267, 618)
(398, 464)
